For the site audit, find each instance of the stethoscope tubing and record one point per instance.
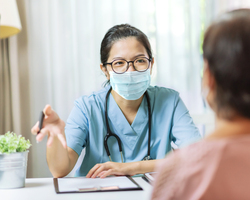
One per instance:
(110, 134)
(149, 124)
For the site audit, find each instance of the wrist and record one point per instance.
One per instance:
(135, 168)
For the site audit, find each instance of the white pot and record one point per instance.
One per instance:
(13, 169)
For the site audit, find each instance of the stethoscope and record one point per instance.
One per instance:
(110, 134)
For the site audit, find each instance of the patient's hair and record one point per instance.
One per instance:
(226, 47)
(119, 32)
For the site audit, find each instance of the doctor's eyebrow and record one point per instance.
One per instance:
(139, 55)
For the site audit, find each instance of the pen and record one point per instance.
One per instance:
(145, 179)
(40, 121)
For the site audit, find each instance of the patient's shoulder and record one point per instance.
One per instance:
(192, 170)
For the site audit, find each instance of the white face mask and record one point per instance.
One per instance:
(130, 85)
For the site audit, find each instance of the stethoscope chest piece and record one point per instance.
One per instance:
(147, 158)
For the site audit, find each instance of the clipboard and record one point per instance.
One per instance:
(84, 185)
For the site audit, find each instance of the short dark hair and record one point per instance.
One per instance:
(226, 47)
(119, 32)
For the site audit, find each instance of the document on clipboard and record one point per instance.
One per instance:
(83, 184)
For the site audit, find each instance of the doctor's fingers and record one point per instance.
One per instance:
(52, 127)
(51, 136)
(111, 167)
(60, 137)
(106, 173)
(92, 170)
(98, 168)
(43, 132)
(34, 130)
(50, 115)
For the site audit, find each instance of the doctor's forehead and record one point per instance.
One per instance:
(127, 48)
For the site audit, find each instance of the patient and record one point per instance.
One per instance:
(219, 167)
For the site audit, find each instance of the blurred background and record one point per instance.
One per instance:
(55, 57)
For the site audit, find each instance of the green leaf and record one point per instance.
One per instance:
(11, 143)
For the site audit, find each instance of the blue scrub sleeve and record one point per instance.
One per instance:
(77, 128)
(184, 131)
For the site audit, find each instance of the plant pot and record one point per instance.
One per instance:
(13, 169)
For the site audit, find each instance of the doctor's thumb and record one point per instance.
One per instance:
(47, 110)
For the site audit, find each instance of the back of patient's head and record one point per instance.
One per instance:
(226, 49)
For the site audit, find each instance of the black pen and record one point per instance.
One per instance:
(41, 117)
(146, 179)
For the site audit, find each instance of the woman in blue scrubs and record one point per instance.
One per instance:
(128, 101)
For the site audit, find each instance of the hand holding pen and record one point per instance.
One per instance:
(51, 125)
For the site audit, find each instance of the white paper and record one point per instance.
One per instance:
(78, 183)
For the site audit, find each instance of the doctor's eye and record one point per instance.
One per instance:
(118, 63)
(141, 60)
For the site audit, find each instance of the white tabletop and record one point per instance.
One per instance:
(43, 189)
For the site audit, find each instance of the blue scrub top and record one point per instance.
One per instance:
(86, 127)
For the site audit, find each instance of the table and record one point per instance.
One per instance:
(43, 189)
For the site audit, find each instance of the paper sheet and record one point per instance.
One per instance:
(82, 183)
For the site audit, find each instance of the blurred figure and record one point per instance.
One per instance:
(220, 164)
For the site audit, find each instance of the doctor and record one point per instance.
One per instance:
(126, 126)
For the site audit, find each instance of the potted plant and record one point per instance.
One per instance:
(13, 160)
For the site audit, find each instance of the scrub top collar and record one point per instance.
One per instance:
(129, 134)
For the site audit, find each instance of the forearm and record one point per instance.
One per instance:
(142, 167)
(113, 168)
(58, 159)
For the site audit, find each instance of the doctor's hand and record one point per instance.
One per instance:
(112, 168)
(53, 127)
